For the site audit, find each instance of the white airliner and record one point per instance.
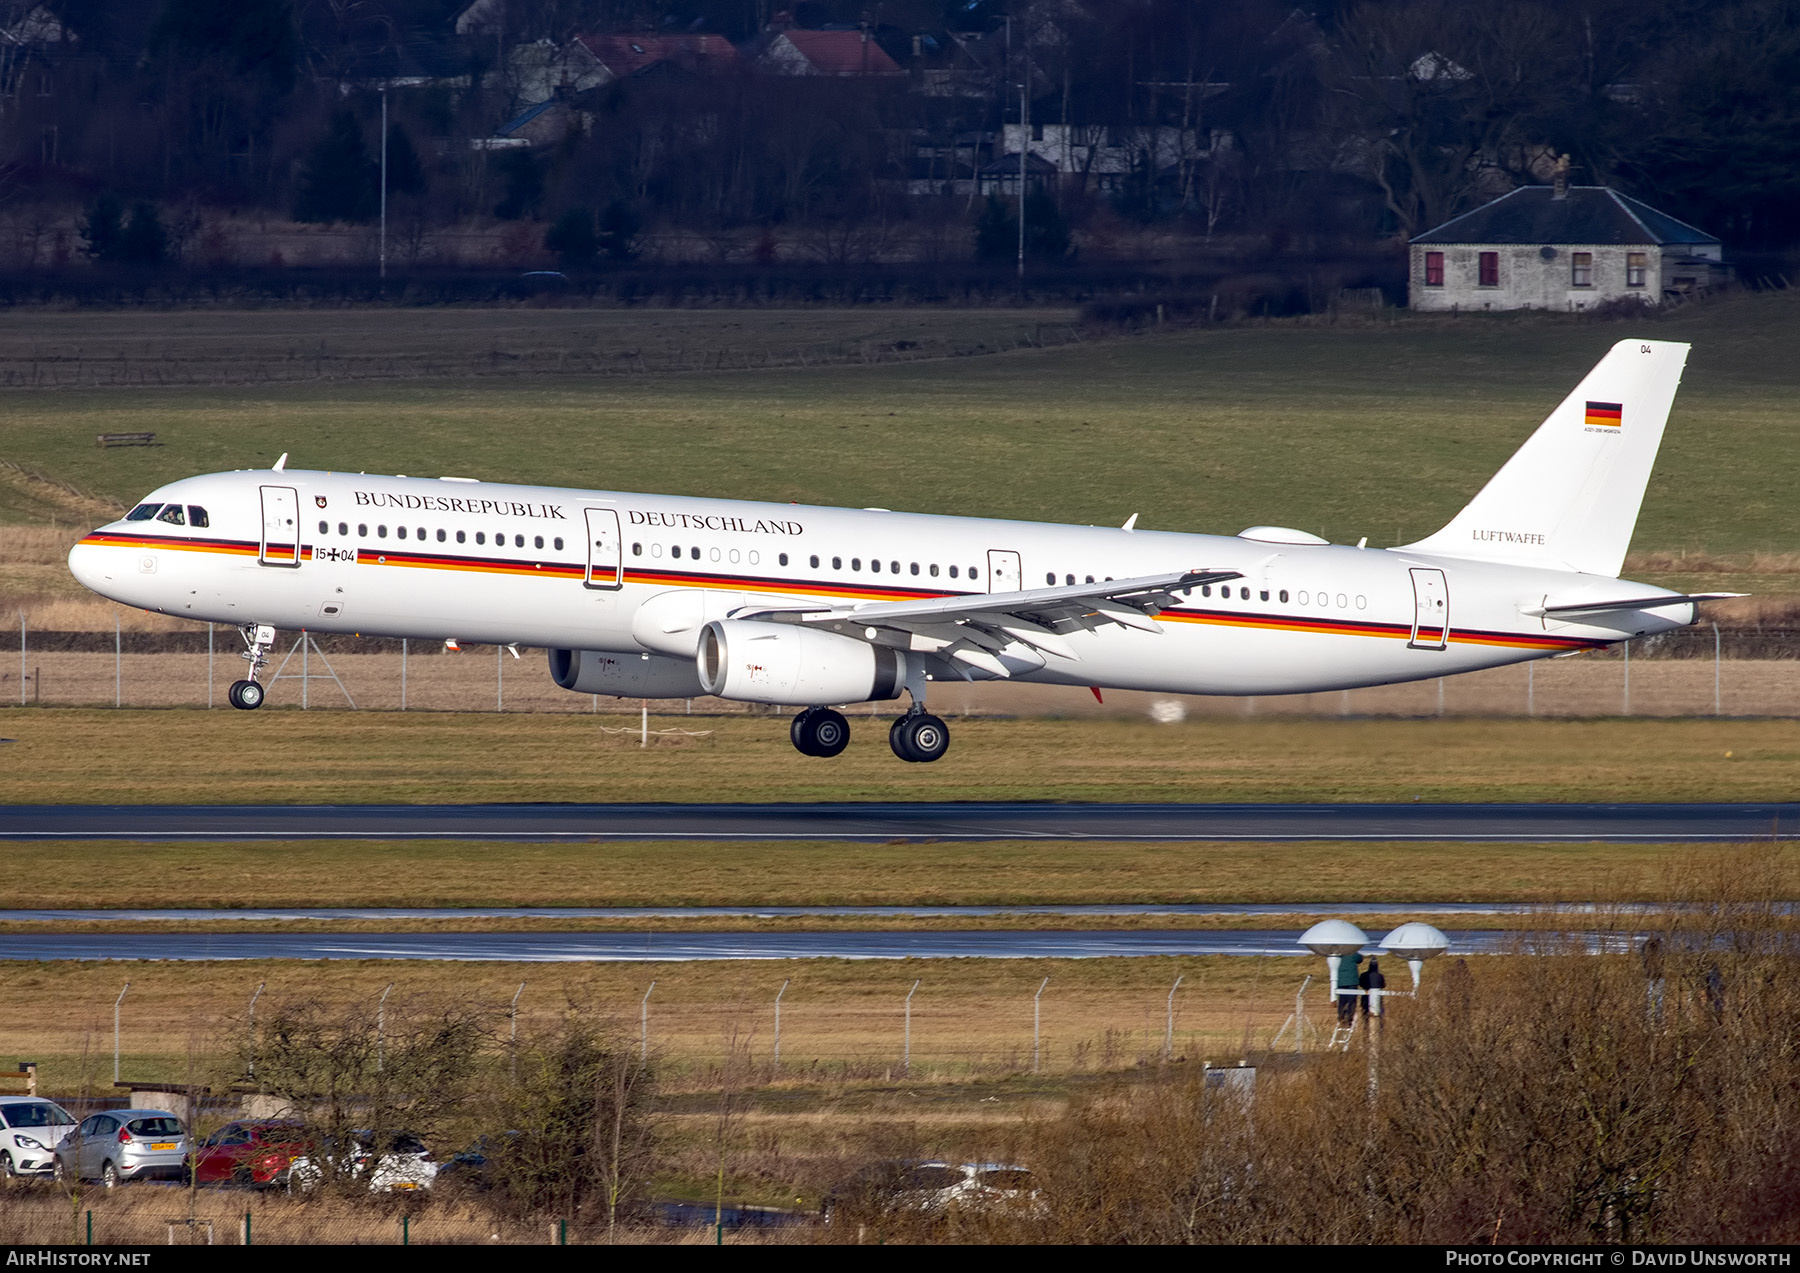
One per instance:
(662, 596)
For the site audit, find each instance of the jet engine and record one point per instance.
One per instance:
(794, 666)
(627, 675)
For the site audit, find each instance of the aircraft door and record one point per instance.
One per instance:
(1431, 610)
(281, 526)
(1003, 571)
(605, 552)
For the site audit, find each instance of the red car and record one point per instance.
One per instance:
(250, 1154)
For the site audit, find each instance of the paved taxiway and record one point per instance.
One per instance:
(905, 821)
(642, 946)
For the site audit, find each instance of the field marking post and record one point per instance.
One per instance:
(21, 658)
(118, 664)
(253, 999)
(906, 1045)
(778, 994)
(1169, 1032)
(209, 667)
(116, 1003)
(381, 1028)
(644, 1026)
(1716, 701)
(1036, 1019)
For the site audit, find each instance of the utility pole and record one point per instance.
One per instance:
(384, 139)
(1024, 150)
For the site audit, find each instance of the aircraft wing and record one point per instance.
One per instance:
(978, 628)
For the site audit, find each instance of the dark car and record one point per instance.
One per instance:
(252, 1154)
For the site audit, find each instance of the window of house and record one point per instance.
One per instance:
(1581, 269)
(1637, 264)
(1434, 269)
(1490, 269)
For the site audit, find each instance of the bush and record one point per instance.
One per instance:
(573, 240)
(339, 181)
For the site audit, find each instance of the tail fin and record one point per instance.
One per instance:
(1569, 498)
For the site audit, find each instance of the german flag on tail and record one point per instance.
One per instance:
(1609, 414)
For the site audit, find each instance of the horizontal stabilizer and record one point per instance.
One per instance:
(1629, 603)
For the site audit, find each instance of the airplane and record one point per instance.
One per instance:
(660, 596)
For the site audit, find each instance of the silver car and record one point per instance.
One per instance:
(122, 1145)
(30, 1130)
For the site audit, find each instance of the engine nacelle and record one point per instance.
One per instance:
(795, 666)
(627, 675)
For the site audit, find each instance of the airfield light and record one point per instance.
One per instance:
(1415, 942)
(1334, 938)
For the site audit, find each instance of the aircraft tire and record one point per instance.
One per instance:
(920, 739)
(246, 696)
(826, 732)
(800, 732)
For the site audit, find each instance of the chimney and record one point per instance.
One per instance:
(1560, 178)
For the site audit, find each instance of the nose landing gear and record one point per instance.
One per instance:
(247, 695)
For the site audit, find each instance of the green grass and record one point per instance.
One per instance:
(183, 755)
(1379, 430)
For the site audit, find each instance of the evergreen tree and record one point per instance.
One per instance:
(143, 240)
(339, 182)
(997, 231)
(524, 185)
(102, 229)
(573, 240)
(405, 175)
(619, 227)
(1046, 233)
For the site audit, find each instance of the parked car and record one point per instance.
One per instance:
(30, 1130)
(122, 1145)
(251, 1154)
(933, 1186)
(404, 1164)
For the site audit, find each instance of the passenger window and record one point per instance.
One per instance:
(974, 573)
(400, 532)
(1090, 579)
(1069, 579)
(362, 530)
(953, 572)
(637, 550)
(539, 541)
(462, 537)
(518, 541)
(814, 559)
(1244, 594)
(441, 536)
(197, 516)
(656, 550)
(142, 513)
(837, 563)
(381, 531)
(784, 559)
(856, 563)
(894, 568)
(173, 515)
(1206, 590)
(715, 554)
(1303, 598)
(915, 567)
(875, 565)
(1049, 577)
(481, 537)
(1265, 594)
(557, 543)
(933, 570)
(324, 528)
(343, 529)
(1284, 596)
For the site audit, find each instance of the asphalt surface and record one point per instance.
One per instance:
(905, 821)
(647, 946)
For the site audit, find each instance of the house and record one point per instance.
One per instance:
(828, 53)
(619, 57)
(1561, 247)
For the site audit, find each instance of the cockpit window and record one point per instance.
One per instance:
(197, 516)
(173, 515)
(142, 513)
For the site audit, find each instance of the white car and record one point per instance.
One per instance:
(30, 1130)
(938, 1186)
(406, 1165)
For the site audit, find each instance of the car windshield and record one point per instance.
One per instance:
(154, 1127)
(278, 1135)
(36, 1114)
(142, 513)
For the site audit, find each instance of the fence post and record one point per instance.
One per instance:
(1036, 1016)
(1169, 1033)
(1627, 703)
(778, 994)
(381, 1029)
(116, 1003)
(118, 661)
(21, 658)
(1531, 688)
(245, 1232)
(1440, 681)
(499, 679)
(906, 1046)
(209, 700)
(644, 1026)
(253, 999)
(1716, 704)
(305, 667)
(403, 674)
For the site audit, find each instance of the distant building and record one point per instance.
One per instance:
(1561, 247)
(831, 53)
(619, 57)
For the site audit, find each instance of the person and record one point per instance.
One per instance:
(1371, 981)
(1349, 982)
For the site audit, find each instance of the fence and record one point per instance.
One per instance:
(1703, 673)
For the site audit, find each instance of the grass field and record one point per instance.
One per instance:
(1399, 422)
(74, 756)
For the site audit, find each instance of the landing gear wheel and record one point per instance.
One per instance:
(921, 738)
(245, 695)
(819, 731)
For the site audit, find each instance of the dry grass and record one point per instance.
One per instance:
(469, 874)
(69, 755)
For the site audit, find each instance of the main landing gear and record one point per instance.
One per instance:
(247, 695)
(918, 736)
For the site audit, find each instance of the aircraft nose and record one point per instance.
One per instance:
(87, 562)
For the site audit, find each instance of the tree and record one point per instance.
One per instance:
(339, 181)
(1046, 233)
(405, 175)
(573, 240)
(619, 227)
(102, 228)
(996, 231)
(143, 241)
(524, 185)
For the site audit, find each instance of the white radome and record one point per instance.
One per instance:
(1416, 940)
(1334, 937)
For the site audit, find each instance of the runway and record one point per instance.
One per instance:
(649, 947)
(971, 821)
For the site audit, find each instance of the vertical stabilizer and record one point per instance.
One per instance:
(1569, 498)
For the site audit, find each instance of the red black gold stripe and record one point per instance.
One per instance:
(1610, 414)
